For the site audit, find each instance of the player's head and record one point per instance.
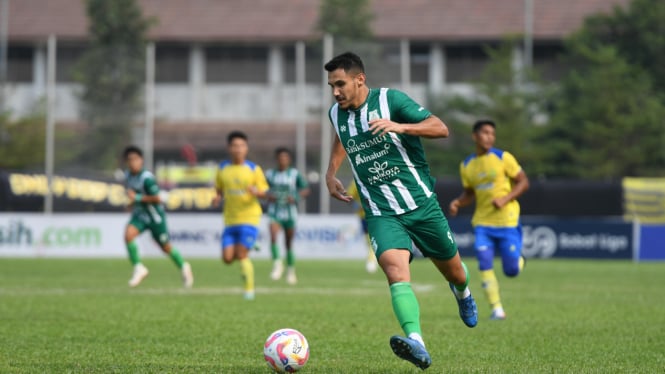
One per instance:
(238, 146)
(133, 157)
(484, 134)
(283, 156)
(346, 77)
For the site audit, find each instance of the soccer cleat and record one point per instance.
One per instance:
(522, 263)
(277, 270)
(140, 272)
(291, 276)
(248, 295)
(498, 314)
(410, 350)
(468, 310)
(187, 275)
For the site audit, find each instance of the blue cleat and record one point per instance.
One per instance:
(468, 310)
(410, 350)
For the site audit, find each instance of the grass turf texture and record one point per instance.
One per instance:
(563, 316)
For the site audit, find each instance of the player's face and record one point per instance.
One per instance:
(134, 162)
(283, 160)
(347, 88)
(485, 137)
(238, 149)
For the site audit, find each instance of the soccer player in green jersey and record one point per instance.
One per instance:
(147, 214)
(287, 188)
(379, 130)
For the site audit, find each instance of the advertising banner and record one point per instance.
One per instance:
(196, 235)
(561, 238)
(652, 243)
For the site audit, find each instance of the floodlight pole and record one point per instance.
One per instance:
(50, 122)
(528, 33)
(302, 115)
(4, 26)
(326, 136)
(148, 141)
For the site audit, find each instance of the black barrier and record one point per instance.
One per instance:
(544, 238)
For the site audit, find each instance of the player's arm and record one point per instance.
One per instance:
(150, 197)
(335, 186)
(303, 187)
(219, 189)
(430, 127)
(520, 186)
(260, 187)
(465, 199)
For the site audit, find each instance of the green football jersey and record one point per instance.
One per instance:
(284, 183)
(145, 183)
(392, 174)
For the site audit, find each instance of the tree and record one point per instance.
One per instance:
(502, 96)
(22, 142)
(609, 117)
(608, 121)
(112, 74)
(346, 19)
(637, 33)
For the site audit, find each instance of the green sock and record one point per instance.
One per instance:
(176, 257)
(274, 251)
(462, 287)
(405, 306)
(133, 251)
(290, 258)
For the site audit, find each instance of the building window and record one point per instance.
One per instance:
(313, 64)
(171, 64)
(19, 64)
(237, 64)
(465, 63)
(547, 61)
(419, 63)
(67, 56)
(382, 64)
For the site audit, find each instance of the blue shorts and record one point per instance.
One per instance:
(508, 240)
(240, 234)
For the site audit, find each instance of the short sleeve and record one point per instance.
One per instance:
(510, 165)
(260, 179)
(301, 183)
(150, 186)
(219, 183)
(405, 108)
(463, 175)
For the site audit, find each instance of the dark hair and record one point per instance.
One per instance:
(131, 149)
(347, 61)
(280, 150)
(234, 135)
(480, 123)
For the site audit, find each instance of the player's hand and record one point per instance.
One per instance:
(337, 190)
(500, 202)
(215, 201)
(382, 126)
(453, 208)
(130, 195)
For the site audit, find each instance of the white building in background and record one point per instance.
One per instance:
(230, 62)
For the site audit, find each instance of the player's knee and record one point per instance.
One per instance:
(512, 270)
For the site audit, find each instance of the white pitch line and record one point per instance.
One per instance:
(420, 288)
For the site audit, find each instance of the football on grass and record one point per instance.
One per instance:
(286, 351)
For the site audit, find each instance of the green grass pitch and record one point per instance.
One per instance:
(564, 316)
